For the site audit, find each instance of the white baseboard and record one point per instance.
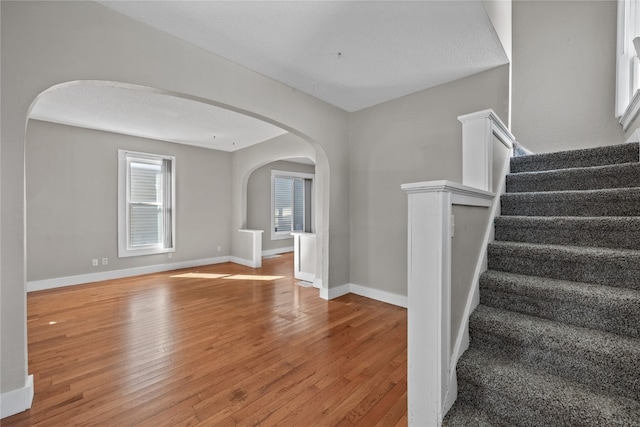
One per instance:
(245, 262)
(376, 294)
(277, 251)
(307, 277)
(16, 401)
(39, 285)
(317, 283)
(331, 293)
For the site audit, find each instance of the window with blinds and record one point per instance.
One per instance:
(291, 203)
(146, 200)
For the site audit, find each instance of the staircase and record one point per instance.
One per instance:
(555, 340)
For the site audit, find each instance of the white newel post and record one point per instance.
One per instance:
(478, 131)
(431, 387)
(428, 317)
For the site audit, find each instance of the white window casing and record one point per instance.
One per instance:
(146, 204)
(627, 63)
(291, 203)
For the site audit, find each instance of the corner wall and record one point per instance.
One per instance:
(410, 139)
(564, 74)
(54, 42)
(72, 199)
(259, 201)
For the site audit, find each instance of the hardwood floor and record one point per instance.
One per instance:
(161, 350)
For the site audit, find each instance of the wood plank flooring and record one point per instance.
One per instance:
(160, 350)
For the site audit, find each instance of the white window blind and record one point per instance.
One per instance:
(146, 220)
(291, 200)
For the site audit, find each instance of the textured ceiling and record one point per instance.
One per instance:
(352, 54)
(132, 111)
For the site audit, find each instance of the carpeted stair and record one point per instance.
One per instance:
(555, 340)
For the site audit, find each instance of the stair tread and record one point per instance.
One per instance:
(606, 231)
(599, 265)
(462, 415)
(596, 222)
(580, 178)
(565, 402)
(607, 308)
(541, 249)
(589, 203)
(587, 293)
(612, 154)
(556, 336)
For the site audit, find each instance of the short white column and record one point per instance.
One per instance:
(256, 247)
(478, 132)
(430, 382)
(429, 295)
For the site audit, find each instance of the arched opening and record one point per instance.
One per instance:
(89, 231)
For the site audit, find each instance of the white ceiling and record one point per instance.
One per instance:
(352, 54)
(132, 111)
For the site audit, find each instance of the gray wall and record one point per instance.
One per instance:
(72, 200)
(259, 200)
(411, 139)
(51, 43)
(564, 74)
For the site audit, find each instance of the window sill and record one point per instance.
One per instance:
(281, 235)
(141, 252)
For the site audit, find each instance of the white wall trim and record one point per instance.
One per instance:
(364, 291)
(338, 291)
(473, 298)
(256, 249)
(39, 285)
(631, 111)
(478, 132)
(635, 137)
(245, 262)
(431, 385)
(16, 401)
(379, 295)
(306, 277)
(277, 251)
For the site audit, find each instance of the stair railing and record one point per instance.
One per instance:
(431, 382)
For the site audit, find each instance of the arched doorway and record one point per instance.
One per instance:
(240, 162)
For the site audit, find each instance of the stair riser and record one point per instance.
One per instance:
(588, 269)
(625, 153)
(607, 373)
(505, 411)
(573, 180)
(578, 235)
(605, 203)
(513, 411)
(615, 319)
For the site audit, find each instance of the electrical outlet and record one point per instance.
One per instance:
(219, 248)
(94, 262)
(105, 261)
(170, 255)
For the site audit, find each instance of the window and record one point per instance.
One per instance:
(628, 65)
(291, 203)
(146, 194)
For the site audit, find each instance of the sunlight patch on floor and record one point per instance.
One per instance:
(253, 277)
(227, 276)
(201, 275)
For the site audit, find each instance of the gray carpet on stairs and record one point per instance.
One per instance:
(555, 340)
(599, 156)
(608, 232)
